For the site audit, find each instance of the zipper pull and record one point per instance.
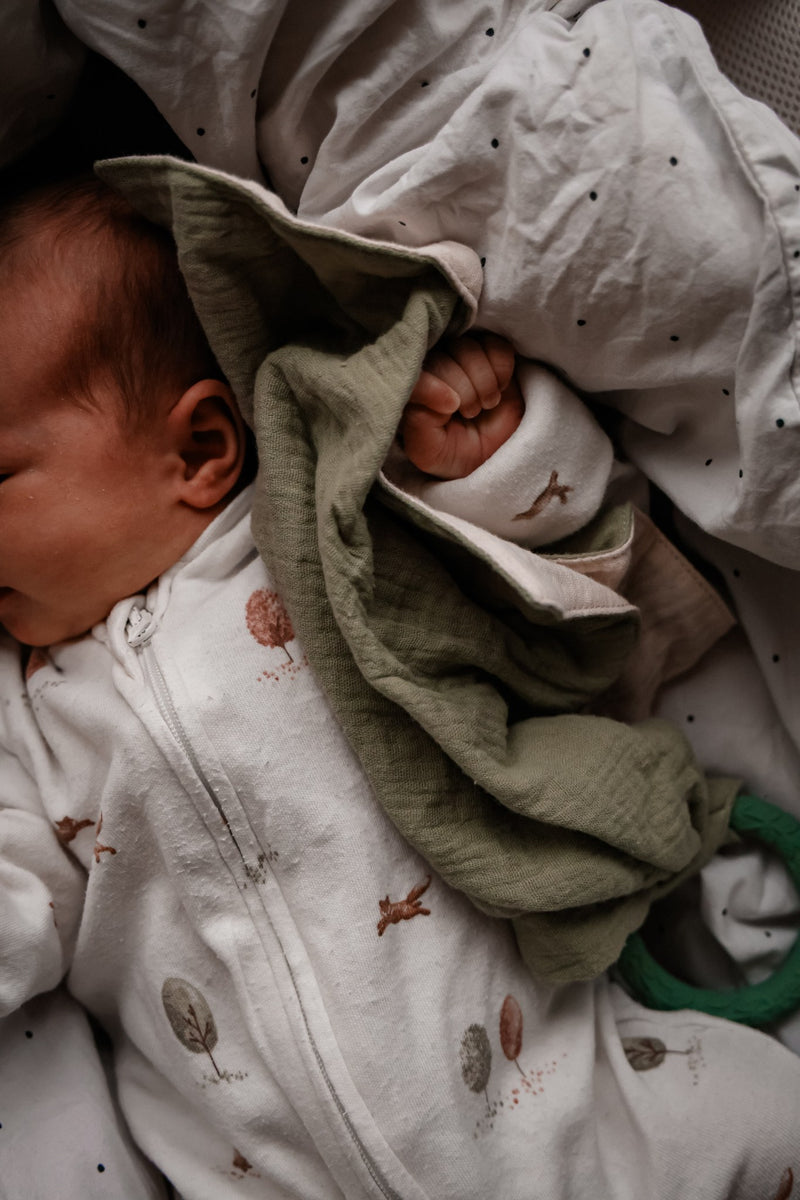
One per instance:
(139, 627)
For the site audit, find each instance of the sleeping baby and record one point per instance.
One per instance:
(118, 455)
(299, 1008)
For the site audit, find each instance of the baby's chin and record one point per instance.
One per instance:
(40, 629)
(39, 640)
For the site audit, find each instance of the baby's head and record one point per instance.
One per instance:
(119, 440)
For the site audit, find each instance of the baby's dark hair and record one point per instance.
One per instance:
(132, 324)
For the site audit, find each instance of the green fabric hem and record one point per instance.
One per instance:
(462, 697)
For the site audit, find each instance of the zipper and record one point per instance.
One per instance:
(139, 629)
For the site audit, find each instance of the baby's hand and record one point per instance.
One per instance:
(465, 404)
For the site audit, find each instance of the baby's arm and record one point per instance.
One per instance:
(531, 468)
(465, 405)
(41, 885)
(40, 891)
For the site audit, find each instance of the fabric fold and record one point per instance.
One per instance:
(459, 673)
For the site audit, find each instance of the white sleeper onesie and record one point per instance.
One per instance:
(299, 1008)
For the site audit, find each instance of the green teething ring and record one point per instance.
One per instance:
(759, 1003)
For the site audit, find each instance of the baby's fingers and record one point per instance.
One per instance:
(502, 358)
(433, 393)
(446, 365)
(480, 389)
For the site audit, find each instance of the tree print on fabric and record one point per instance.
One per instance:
(268, 620)
(395, 911)
(190, 1017)
(475, 1055)
(476, 1060)
(271, 626)
(553, 491)
(511, 1032)
(647, 1053)
(786, 1185)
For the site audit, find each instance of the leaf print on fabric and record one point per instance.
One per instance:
(511, 1031)
(553, 491)
(476, 1060)
(68, 828)
(786, 1185)
(190, 1017)
(395, 911)
(99, 848)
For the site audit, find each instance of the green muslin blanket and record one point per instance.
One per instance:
(463, 695)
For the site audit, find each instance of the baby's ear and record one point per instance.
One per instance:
(210, 437)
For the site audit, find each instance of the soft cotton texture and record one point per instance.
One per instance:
(299, 1006)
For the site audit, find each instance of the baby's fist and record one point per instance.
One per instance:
(465, 404)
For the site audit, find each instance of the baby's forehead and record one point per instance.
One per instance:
(85, 240)
(44, 306)
(45, 335)
(46, 273)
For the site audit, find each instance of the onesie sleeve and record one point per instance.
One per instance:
(544, 483)
(41, 885)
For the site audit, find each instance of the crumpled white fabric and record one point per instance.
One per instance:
(638, 219)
